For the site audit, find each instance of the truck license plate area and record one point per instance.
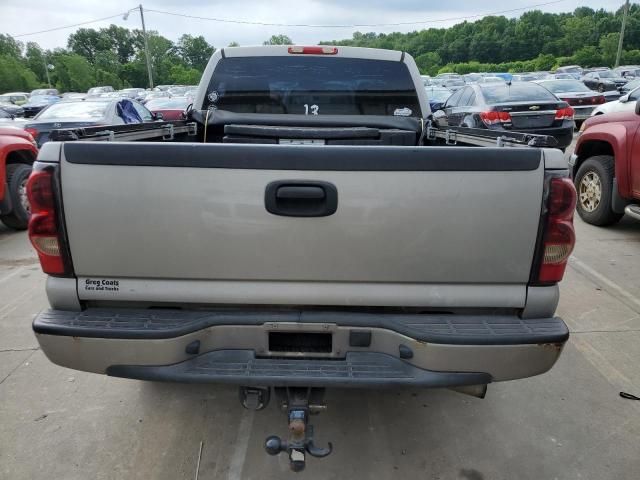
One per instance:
(298, 342)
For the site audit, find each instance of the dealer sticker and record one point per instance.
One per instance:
(101, 285)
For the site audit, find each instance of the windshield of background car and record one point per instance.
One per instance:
(4, 114)
(74, 110)
(606, 74)
(516, 92)
(313, 86)
(565, 86)
(42, 99)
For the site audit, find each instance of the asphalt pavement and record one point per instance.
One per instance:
(570, 423)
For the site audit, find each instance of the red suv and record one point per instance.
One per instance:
(17, 153)
(606, 167)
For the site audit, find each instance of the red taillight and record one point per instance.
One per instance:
(565, 113)
(559, 235)
(599, 100)
(32, 131)
(313, 50)
(44, 227)
(493, 117)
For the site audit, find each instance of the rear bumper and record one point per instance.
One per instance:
(233, 347)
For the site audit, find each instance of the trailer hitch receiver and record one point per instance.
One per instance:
(298, 403)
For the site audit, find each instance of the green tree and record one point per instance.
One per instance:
(35, 60)
(588, 57)
(609, 48)
(15, 76)
(233, 44)
(88, 42)
(195, 52)
(182, 75)
(9, 46)
(278, 40)
(72, 73)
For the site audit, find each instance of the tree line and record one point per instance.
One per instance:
(534, 41)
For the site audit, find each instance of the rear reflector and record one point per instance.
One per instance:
(44, 228)
(493, 117)
(565, 113)
(559, 234)
(313, 50)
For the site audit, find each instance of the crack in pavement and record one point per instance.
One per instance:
(19, 349)
(19, 365)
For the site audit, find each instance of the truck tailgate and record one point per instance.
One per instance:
(423, 226)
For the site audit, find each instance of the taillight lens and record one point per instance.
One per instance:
(32, 131)
(598, 100)
(44, 227)
(493, 117)
(316, 50)
(566, 113)
(559, 235)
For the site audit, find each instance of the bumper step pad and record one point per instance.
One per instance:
(241, 367)
(443, 329)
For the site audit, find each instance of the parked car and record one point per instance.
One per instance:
(628, 72)
(12, 109)
(606, 167)
(298, 268)
(437, 96)
(173, 108)
(7, 119)
(581, 98)
(132, 93)
(603, 81)
(74, 96)
(560, 76)
(38, 102)
(491, 79)
(153, 95)
(17, 154)
(51, 92)
(630, 85)
(521, 107)
(625, 103)
(97, 91)
(452, 81)
(17, 98)
(523, 77)
(574, 70)
(90, 112)
(472, 77)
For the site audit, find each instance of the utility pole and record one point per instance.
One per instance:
(146, 46)
(46, 69)
(624, 23)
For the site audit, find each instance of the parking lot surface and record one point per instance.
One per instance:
(567, 424)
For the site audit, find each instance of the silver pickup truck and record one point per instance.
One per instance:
(304, 234)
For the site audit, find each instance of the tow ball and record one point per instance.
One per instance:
(298, 403)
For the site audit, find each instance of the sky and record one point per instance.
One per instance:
(19, 17)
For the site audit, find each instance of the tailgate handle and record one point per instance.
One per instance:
(301, 198)
(300, 192)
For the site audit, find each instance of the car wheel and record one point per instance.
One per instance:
(601, 88)
(594, 185)
(17, 176)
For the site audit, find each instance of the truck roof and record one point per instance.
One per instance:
(341, 51)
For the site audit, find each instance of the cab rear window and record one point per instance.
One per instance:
(313, 86)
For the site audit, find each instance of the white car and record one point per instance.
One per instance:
(623, 104)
